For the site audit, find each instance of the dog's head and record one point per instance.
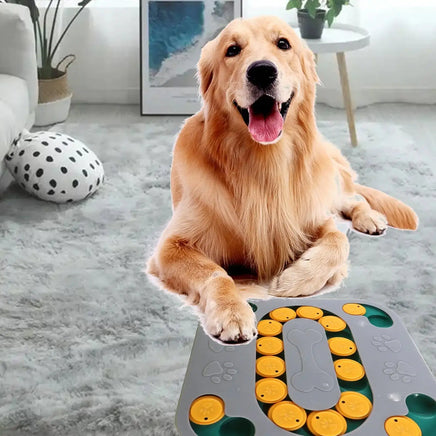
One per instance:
(258, 72)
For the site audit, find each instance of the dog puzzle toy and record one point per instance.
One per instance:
(318, 367)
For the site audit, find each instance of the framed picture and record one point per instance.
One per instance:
(172, 35)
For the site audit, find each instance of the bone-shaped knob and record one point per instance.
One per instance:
(311, 377)
(304, 380)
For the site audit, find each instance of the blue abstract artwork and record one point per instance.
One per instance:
(177, 30)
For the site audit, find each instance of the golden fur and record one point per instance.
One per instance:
(265, 208)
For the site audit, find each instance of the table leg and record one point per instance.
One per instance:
(347, 97)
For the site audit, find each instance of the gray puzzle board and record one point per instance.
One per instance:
(330, 377)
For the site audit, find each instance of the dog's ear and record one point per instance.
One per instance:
(309, 66)
(205, 68)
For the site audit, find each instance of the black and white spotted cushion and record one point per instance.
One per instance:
(55, 167)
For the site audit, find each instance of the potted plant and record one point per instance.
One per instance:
(313, 13)
(54, 94)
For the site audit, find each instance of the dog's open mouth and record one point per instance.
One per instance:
(265, 118)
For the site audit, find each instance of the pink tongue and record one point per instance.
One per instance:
(265, 129)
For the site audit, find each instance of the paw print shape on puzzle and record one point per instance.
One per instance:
(385, 343)
(399, 371)
(218, 372)
(216, 347)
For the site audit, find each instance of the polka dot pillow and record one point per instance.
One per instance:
(55, 167)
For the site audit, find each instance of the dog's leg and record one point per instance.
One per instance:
(324, 263)
(363, 217)
(398, 214)
(184, 269)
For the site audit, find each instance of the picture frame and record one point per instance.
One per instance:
(172, 33)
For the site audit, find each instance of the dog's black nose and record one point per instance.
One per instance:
(262, 74)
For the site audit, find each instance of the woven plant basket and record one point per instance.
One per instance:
(56, 88)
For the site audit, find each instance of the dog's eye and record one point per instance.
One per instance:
(283, 44)
(233, 50)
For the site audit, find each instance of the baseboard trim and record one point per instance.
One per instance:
(330, 96)
(107, 96)
(366, 96)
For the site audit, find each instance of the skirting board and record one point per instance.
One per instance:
(365, 96)
(330, 96)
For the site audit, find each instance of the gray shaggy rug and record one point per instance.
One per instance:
(89, 347)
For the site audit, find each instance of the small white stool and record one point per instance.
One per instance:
(339, 39)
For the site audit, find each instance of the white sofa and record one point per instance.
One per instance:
(18, 78)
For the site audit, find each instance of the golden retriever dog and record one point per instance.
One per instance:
(255, 186)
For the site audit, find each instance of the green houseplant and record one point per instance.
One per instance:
(313, 13)
(54, 94)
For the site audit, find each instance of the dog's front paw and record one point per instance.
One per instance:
(372, 222)
(230, 321)
(296, 281)
(308, 275)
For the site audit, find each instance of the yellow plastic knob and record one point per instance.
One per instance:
(354, 309)
(269, 327)
(270, 366)
(332, 323)
(326, 423)
(341, 346)
(287, 415)
(354, 405)
(270, 390)
(283, 314)
(402, 426)
(269, 345)
(310, 312)
(206, 410)
(349, 370)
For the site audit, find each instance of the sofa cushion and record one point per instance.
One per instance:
(14, 110)
(17, 47)
(9, 129)
(13, 92)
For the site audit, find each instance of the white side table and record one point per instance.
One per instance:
(339, 39)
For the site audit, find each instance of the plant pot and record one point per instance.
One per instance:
(53, 89)
(54, 98)
(311, 28)
(53, 112)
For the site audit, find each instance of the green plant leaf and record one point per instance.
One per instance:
(336, 5)
(330, 16)
(53, 26)
(53, 51)
(312, 6)
(294, 4)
